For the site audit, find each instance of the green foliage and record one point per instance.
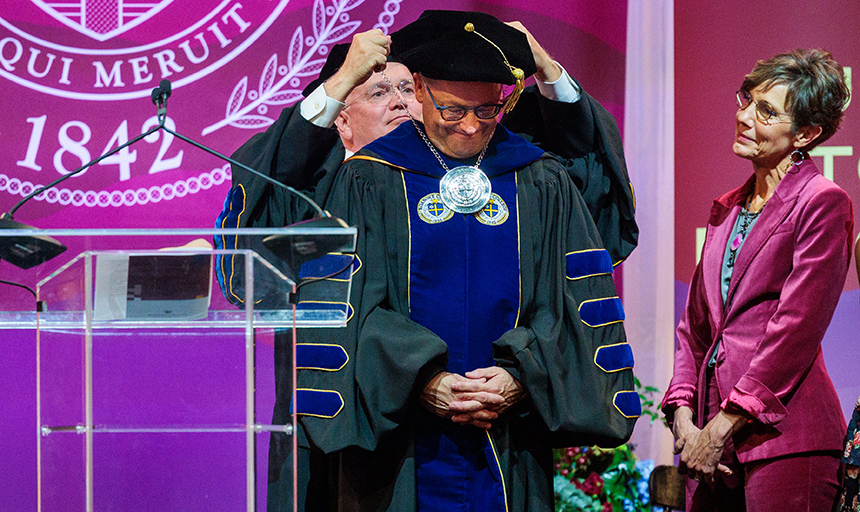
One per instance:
(650, 408)
(594, 479)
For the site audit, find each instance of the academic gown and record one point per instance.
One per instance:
(565, 341)
(583, 133)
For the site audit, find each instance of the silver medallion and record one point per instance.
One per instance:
(465, 189)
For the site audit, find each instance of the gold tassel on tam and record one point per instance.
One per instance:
(518, 89)
(519, 76)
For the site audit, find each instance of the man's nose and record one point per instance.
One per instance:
(395, 101)
(470, 123)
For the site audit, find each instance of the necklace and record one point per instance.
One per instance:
(747, 219)
(463, 189)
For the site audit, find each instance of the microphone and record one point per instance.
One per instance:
(155, 95)
(166, 89)
(28, 251)
(159, 97)
(160, 94)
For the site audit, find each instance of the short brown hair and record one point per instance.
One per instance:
(817, 93)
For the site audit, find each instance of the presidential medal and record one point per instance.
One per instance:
(465, 189)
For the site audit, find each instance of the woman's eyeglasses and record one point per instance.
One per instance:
(763, 110)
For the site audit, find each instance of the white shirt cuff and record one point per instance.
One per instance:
(564, 89)
(319, 109)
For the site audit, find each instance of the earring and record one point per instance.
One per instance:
(797, 156)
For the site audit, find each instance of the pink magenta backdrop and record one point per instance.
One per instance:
(716, 44)
(71, 91)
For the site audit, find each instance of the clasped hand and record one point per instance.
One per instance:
(702, 449)
(476, 398)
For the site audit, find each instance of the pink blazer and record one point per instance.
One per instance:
(787, 280)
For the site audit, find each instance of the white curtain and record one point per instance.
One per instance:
(649, 144)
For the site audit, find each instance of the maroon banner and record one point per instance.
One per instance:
(716, 44)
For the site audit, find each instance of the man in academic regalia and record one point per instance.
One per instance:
(350, 105)
(486, 327)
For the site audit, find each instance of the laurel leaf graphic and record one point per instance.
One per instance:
(350, 5)
(268, 76)
(341, 31)
(284, 97)
(237, 97)
(295, 53)
(251, 122)
(319, 17)
(311, 68)
(299, 51)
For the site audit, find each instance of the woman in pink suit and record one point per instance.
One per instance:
(755, 416)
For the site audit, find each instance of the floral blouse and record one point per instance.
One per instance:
(848, 500)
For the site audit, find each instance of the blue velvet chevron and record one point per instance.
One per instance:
(322, 403)
(320, 357)
(589, 263)
(614, 358)
(600, 312)
(628, 404)
(234, 207)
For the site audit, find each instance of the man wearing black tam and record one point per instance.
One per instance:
(486, 327)
(351, 97)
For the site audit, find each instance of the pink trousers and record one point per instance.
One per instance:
(803, 482)
(800, 482)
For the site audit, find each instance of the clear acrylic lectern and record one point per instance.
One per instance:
(154, 392)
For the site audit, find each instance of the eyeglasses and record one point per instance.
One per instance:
(488, 111)
(380, 94)
(763, 111)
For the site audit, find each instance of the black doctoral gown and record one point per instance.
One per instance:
(298, 153)
(567, 347)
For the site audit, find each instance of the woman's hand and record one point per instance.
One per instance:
(683, 428)
(702, 450)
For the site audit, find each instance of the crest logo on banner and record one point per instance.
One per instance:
(102, 19)
(80, 61)
(128, 46)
